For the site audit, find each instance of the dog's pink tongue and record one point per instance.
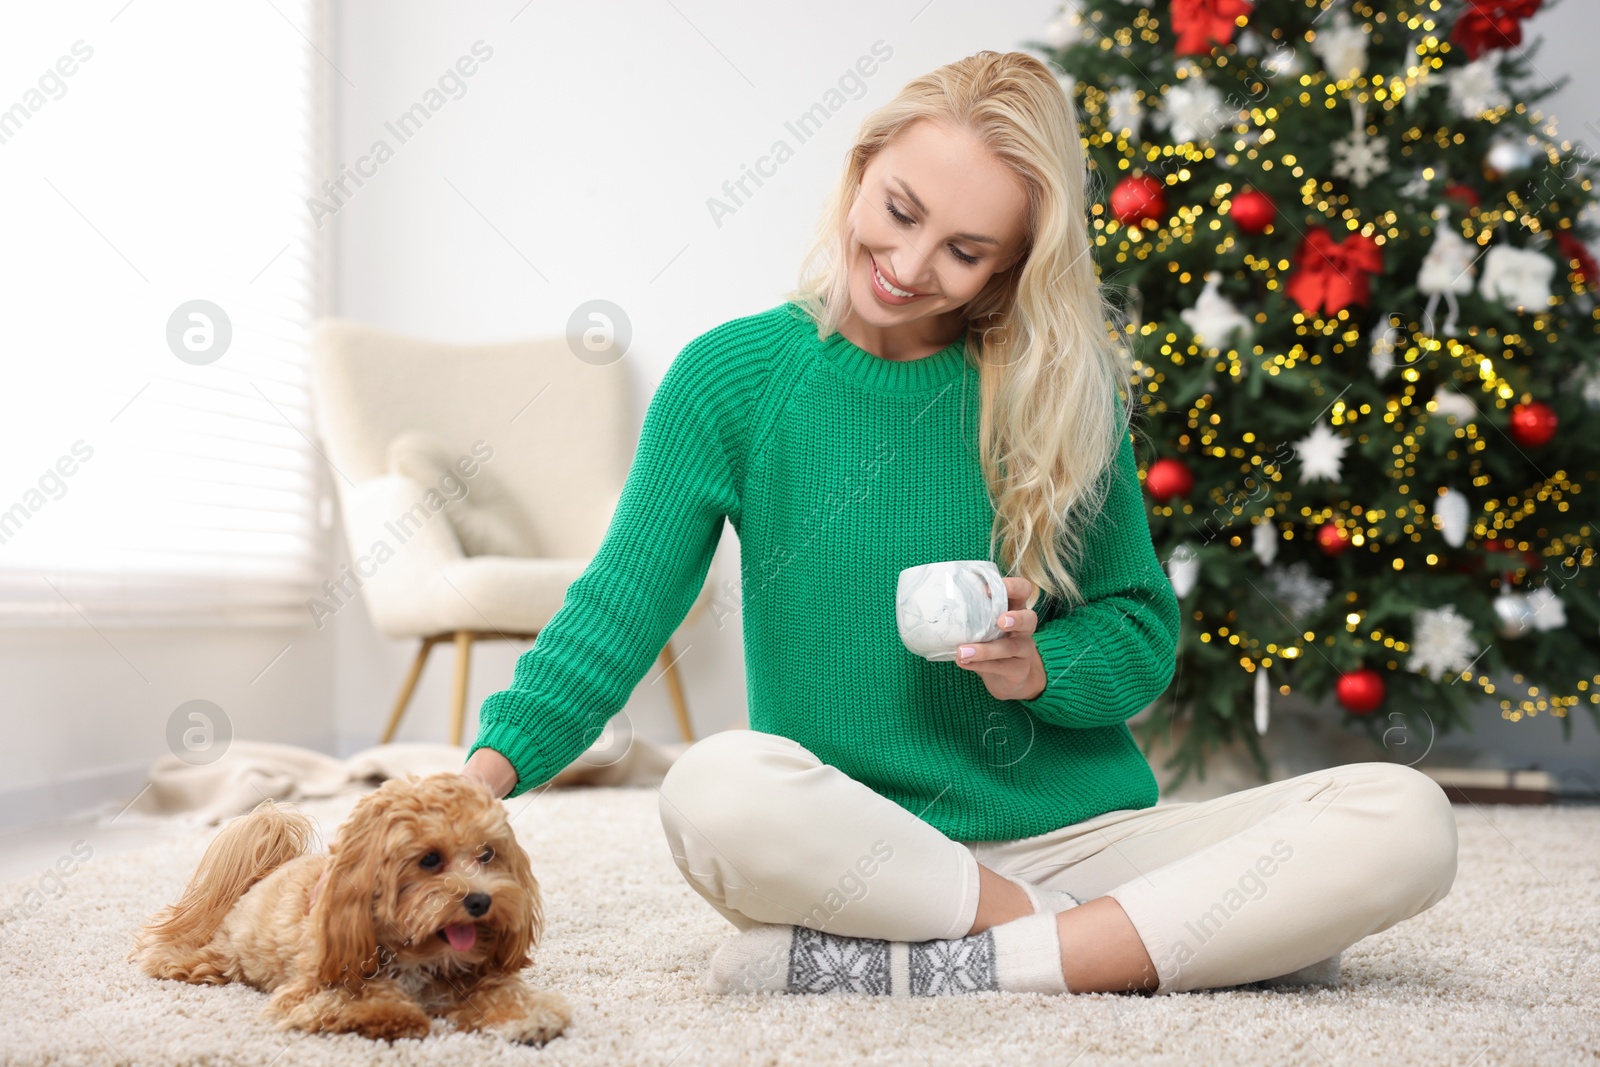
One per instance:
(461, 936)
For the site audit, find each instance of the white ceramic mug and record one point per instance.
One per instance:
(942, 606)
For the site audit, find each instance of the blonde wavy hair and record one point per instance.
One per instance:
(1053, 377)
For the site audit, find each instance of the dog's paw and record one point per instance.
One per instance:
(547, 1015)
(380, 1020)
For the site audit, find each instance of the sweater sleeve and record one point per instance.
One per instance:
(1111, 655)
(618, 614)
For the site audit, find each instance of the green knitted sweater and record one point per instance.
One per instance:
(838, 469)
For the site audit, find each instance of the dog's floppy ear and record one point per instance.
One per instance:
(518, 938)
(341, 918)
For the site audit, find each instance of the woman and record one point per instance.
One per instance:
(943, 387)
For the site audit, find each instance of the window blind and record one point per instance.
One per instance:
(160, 274)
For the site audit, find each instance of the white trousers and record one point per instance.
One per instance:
(1244, 887)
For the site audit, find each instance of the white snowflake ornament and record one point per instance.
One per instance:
(1321, 454)
(1548, 611)
(1196, 111)
(1213, 319)
(1517, 277)
(1475, 88)
(1417, 188)
(1124, 112)
(1357, 156)
(1301, 592)
(1441, 642)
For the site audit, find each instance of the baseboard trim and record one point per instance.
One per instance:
(70, 795)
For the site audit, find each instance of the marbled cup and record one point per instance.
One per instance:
(942, 606)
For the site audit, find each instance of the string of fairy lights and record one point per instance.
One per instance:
(1481, 358)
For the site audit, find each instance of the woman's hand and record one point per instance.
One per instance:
(1010, 666)
(492, 771)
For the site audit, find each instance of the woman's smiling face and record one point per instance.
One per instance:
(937, 216)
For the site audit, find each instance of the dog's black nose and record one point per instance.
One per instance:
(476, 904)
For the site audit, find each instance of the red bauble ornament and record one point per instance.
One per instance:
(1138, 197)
(1253, 211)
(1533, 424)
(1491, 24)
(1168, 478)
(1360, 691)
(1332, 539)
(1465, 195)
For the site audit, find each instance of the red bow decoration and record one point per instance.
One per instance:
(1491, 24)
(1198, 23)
(1332, 275)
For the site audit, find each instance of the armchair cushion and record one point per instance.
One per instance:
(486, 520)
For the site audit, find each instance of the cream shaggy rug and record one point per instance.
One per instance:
(1505, 970)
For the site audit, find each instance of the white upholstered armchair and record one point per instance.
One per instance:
(476, 483)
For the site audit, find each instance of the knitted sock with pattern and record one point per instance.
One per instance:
(1021, 956)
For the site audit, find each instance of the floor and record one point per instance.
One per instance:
(1505, 970)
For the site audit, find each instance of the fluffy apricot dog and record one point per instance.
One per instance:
(424, 905)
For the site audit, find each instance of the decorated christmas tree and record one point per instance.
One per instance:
(1350, 260)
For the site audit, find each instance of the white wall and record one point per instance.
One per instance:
(578, 164)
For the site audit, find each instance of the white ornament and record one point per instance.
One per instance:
(1417, 188)
(1513, 614)
(1517, 277)
(1301, 592)
(1342, 48)
(1065, 27)
(1452, 511)
(1446, 270)
(1321, 454)
(1263, 699)
(1385, 338)
(1357, 156)
(1196, 111)
(1505, 155)
(1284, 63)
(1213, 319)
(1441, 642)
(1183, 567)
(1448, 404)
(1264, 541)
(1586, 380)
(1475, 88)
(1124, 112)
(1548, 611)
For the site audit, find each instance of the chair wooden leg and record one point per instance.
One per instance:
(675, 692)
(458, 709)
(409, 688)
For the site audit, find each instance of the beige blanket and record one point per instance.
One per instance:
(252, 771)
